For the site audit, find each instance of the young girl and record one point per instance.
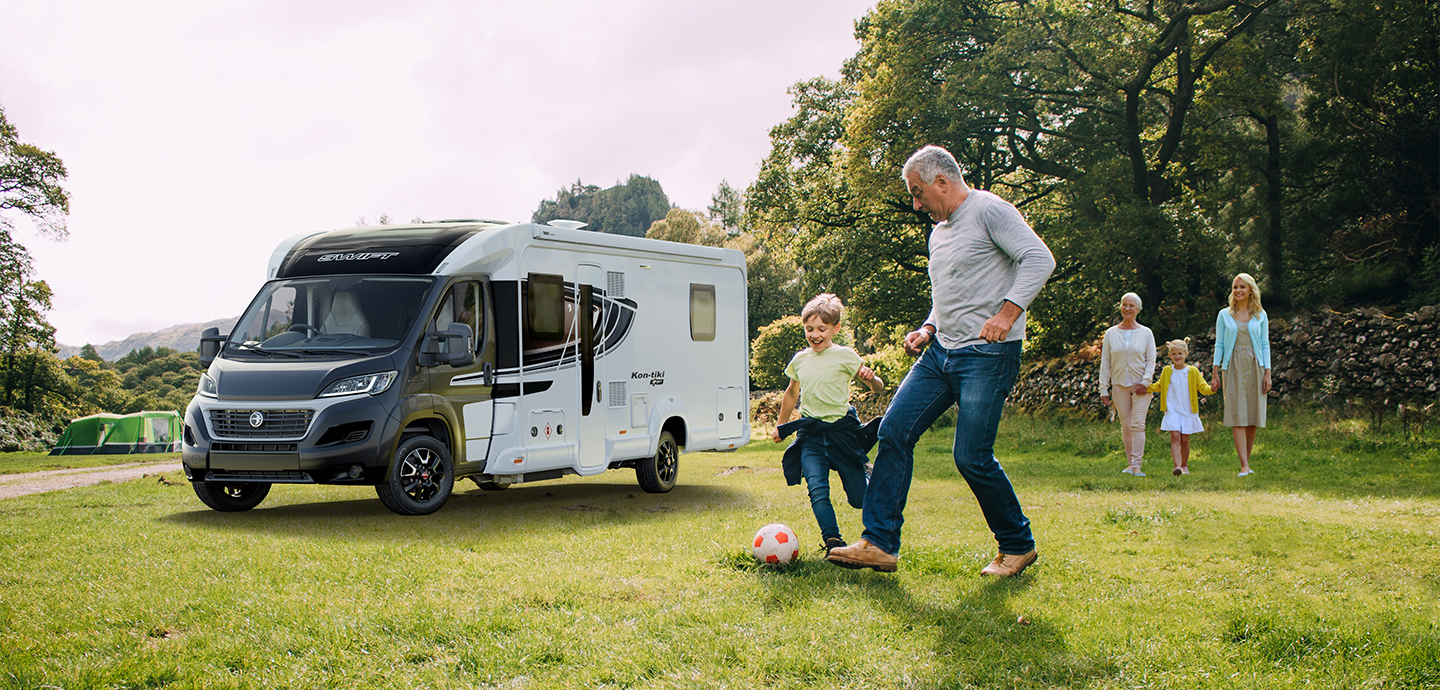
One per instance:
(1180, 386)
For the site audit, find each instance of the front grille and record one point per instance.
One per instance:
(225, 447)
(277, 423)
(271, 477)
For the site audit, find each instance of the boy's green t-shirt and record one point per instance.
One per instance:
(824, 379)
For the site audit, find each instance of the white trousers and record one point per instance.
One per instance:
(1131, 409)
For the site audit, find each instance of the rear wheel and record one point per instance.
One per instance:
(421, 477)
(230, 498)
(657, 474)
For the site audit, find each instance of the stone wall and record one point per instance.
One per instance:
(1361, 357)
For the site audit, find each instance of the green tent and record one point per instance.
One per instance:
(108, 434)
(85, 434)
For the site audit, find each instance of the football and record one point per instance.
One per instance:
(775, 544)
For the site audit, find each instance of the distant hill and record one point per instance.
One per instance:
(183, 337)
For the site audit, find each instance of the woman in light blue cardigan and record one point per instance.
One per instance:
(1245, 362)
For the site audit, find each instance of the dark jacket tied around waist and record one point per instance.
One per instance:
(849, 442)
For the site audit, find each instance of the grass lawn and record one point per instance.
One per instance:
(14, 463)
(1322, 570)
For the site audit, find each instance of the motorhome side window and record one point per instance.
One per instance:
(463, 303)
(549, 319)
(702, 312)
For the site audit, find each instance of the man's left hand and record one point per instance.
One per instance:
(997, 328)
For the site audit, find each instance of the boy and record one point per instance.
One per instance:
(829, 435)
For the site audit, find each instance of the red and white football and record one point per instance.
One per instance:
(775, 544)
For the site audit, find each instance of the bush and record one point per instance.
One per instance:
(772, 350)
(21, 431)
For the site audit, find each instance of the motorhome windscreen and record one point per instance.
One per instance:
(326, 314)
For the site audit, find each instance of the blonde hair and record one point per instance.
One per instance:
(1138, 304)
(826, 306)
(1178, 344)
(1249, 281)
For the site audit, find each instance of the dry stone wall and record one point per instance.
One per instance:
(1361, 357)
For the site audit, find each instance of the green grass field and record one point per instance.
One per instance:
(16, 463)
(1322, 570)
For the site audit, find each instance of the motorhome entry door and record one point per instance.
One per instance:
(589, 287)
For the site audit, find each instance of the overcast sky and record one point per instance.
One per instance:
(199, 134)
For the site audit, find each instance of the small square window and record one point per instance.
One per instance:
(702, 312)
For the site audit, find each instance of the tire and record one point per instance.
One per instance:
(230, 498)
(657, 474)
(420, 479)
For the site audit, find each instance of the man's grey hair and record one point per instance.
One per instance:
(930, 162)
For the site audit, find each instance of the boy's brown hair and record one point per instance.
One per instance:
(826, 306)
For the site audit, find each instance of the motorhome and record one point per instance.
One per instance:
(409, 356)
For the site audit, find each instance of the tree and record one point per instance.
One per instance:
(625, 209)
(1156, 147)
(727, 207)
(683, 226)
(30, 183)
(1368, 182)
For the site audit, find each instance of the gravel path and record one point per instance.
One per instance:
(13, 485)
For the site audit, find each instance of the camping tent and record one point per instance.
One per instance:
(84, 435)
(142, 432)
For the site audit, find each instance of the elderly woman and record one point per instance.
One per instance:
(1127, 363)
(1242, 352)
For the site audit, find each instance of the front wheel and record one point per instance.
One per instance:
(657, 474)
(421, 478)
(230, 498)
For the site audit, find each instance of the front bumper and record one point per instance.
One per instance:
(346, 442)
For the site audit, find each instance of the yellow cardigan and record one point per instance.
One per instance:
(1198, 387)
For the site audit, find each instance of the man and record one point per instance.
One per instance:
(986, 266)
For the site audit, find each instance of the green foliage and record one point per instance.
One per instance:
(625, 209)
(889, 360)
(772, 350)
(685, 227)
(21, 431)
(1157, 149)
(30, 183)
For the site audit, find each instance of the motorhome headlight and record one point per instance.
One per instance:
(208, 387)
(369, 383)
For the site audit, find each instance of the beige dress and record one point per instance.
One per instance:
(1244, 403)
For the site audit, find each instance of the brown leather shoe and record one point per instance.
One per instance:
(862, 554)
(1008, 565)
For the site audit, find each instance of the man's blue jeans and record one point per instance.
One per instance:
(977, 378)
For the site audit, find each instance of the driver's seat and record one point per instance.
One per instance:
(345, 316)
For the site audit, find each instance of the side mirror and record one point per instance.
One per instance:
(210, 341)
(457, 338)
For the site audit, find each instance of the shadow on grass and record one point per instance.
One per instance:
(977, 635)
(468, 510)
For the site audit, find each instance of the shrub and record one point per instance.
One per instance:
(772, 350)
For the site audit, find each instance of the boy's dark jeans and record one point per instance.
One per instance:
(815, 451)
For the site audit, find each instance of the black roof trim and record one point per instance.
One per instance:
(395, 249)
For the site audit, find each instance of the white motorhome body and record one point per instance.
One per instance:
(408, 356)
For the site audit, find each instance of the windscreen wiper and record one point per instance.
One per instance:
(316, 351)
(271, 353)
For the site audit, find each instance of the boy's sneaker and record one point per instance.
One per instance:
(833, 543)
(869, 469)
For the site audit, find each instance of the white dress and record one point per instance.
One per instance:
(1178, 416)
